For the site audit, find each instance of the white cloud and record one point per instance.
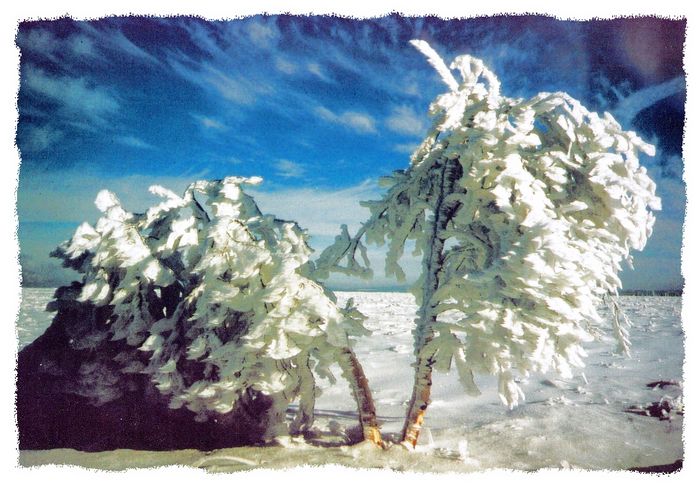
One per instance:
(320, 211)
(672, 191)
(231, 89)
(326, 114)
(404, 120)
(289, 169)
(70, 195)
(285, 66)
(405, 148)
(122, 43)
(59, 50)
(82, 46)
(39, 41)
(134, 142)
(357, 121)
(315, 69)
(222, 70)
(263, 33)
(210, 122)
(115, 40)
(39, 138)
(633, 104)
(75, 95)
(225, 82)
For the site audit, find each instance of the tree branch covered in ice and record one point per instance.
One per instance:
(214, 303)
(523, 211)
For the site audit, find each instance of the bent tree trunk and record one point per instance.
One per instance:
(449, 172)
(353, 373)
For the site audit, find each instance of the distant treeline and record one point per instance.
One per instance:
(670, 292)
(666, 292)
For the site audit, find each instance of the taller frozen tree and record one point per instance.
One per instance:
(523, 211)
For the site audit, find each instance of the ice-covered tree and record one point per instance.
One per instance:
(213, 302)
(522, 210)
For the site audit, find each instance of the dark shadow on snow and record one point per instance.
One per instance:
(57, 409)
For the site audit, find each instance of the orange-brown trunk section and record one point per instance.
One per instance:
(363, 396)
(420, 399)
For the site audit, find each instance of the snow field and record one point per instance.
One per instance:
(575, 423)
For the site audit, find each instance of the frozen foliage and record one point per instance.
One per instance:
(523, 211)
(214, 303)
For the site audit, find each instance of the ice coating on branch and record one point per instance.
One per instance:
(216, 294)
(523, 210)
(436, 62)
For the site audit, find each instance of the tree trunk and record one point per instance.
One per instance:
(307, 399)
(420, 399)
(450, 172)
(353, 373)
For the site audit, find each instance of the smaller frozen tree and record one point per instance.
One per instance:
(522, 211)
(214, 304)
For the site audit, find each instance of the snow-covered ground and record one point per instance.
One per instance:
(579, 423)
(33, 318)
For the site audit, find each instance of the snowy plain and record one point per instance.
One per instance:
(591, 421)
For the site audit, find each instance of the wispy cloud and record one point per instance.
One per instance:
(134, 142)
(285, 66)
(405, 148)
(39, 138)
(69, 196)
(217, 78)
(235, 90)
(232, 67)
(209, 122)
(263, 33)
(628, 107)
(320, 211)
(316, 70)
(404, 120)
(82, 45)
(245, 72)
(113, 39)
(90, 42)
(357, 121)
(75, 95)
(289, 169)
(39, 41)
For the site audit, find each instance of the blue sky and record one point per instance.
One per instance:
(320, 107)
